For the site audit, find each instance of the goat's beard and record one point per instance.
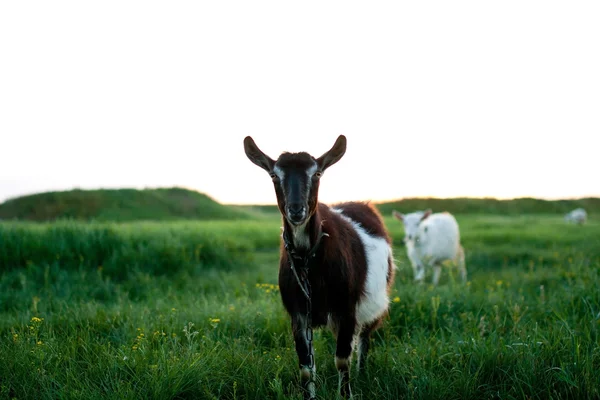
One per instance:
(296, 224)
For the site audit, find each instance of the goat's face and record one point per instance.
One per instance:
(296, 177)
(296, 180)
(411, 224)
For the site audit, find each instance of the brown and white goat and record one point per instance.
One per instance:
(344, 254)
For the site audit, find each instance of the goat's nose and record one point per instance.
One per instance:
(296, 210)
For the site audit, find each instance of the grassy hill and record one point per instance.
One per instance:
(118, 205)
(472, 206)
(178, 203)
(491, 206)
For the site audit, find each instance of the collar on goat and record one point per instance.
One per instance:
(292, 255)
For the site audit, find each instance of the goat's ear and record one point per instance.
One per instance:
(398, 215)
(333, 155)
(257, 156)
(426, 214)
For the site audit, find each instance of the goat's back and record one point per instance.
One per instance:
(439, 236)
(367, 216)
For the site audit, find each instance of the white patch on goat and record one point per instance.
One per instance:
(279, 172)
(301, 237)
(378, 253)
(310, 172)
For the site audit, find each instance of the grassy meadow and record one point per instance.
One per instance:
(191, 310)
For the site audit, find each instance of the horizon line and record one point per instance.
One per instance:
(274, 203)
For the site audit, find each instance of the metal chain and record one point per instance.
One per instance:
(309, 330)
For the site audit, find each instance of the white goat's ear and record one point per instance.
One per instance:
(426, 214)
(257, 156)
(333, 155)
(398, 215)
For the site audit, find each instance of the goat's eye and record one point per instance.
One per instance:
(274, 176)
(318, 174)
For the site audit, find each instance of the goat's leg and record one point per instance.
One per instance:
(415, 269)
(437, 270)
(343, 353)
(305, 355)
(364, 343)
(416, 263)
(461, 264)
(419, 272)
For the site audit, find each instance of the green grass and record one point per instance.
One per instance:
(187, 327)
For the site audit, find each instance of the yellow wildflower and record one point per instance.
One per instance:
(396, 299)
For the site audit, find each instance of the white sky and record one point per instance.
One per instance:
(436, 98)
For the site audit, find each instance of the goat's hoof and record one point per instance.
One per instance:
(309, 390)
(309, 396)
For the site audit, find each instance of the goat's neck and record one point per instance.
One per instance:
(303, 236)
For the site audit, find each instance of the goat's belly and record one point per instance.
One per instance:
(372, 306)
(439, 254)
(375, 300)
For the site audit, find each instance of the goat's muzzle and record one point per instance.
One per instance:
(296, 213)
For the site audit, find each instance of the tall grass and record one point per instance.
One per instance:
(525, 326)
(151, 247)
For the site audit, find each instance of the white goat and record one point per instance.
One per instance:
(431, 240)
(577, 216)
